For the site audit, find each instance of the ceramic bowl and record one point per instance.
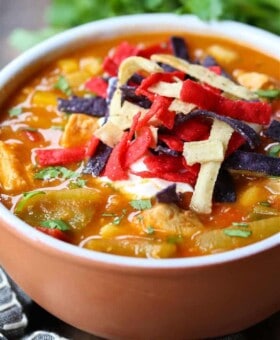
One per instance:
(127, 298)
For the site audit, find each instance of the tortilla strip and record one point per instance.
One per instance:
(205, 75)
(132, 65)
(201, 201)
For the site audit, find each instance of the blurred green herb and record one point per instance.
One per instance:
(63, 14)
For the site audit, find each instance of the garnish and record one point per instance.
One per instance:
(175, 239)
(63, 85)
(141, 204)
(55, 172)
(55, 224)
(25, 197)
(237, 233)
(271, 94)
(93, 106)
(240, 224)
(264, 204)
(15, 111)
(274, 151)
(150, 230)
(117, 218)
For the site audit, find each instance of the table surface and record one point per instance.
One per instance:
(29, 14)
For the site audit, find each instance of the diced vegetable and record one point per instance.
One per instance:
(76, 206)
(217, 240)
(138, 247)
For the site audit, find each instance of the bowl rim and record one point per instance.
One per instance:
(257, 38)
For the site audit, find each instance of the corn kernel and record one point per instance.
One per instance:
(91, 65)
(222, 55)
(41, 98)
(68, 65)
(75, 79)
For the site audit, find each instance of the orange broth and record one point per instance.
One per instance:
(40, 125)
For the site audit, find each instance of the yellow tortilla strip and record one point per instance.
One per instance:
(201, 201)
(171, 90)
(179, 106)
(109, 133)
(122, 115)
(134, 64)
(204, 151)
(205, 75)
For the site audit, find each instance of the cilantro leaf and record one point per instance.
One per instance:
(25, 197)
(141, 204)
(274, 151)
(240, 224)
(150, 230)
(271, 94)
(15, 111)
(53, 172)
(237, 233)
(55, 224)
(63, 85)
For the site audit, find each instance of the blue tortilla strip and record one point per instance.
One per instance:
(128, 93)
(209, 61)
(179, 47)
(255, 162)
(94, 106)
(160, 149)
(96, 164)
(112, 86)
(136, 79)
(273, 130)
(242, 128)
(168, 195)
(224, 190)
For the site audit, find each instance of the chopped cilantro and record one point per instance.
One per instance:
(62, 85)
(55, 224)
(25, 197)
(15, 111)
(142, 204)
(264, 204)
(55, 172)
(274, 150)
(150, 230)
(109, 215)
(237, 233)
(80, 182)
(271, 94)
(174, 239)
(240, 224)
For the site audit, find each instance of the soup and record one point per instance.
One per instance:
(156, 146)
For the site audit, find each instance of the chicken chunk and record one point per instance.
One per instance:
(169, 218)
(78, 130)
(252, 80)
(13, 174)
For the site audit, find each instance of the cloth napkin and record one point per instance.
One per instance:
(18, 312)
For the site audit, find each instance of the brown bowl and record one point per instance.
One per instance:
(127, 298)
